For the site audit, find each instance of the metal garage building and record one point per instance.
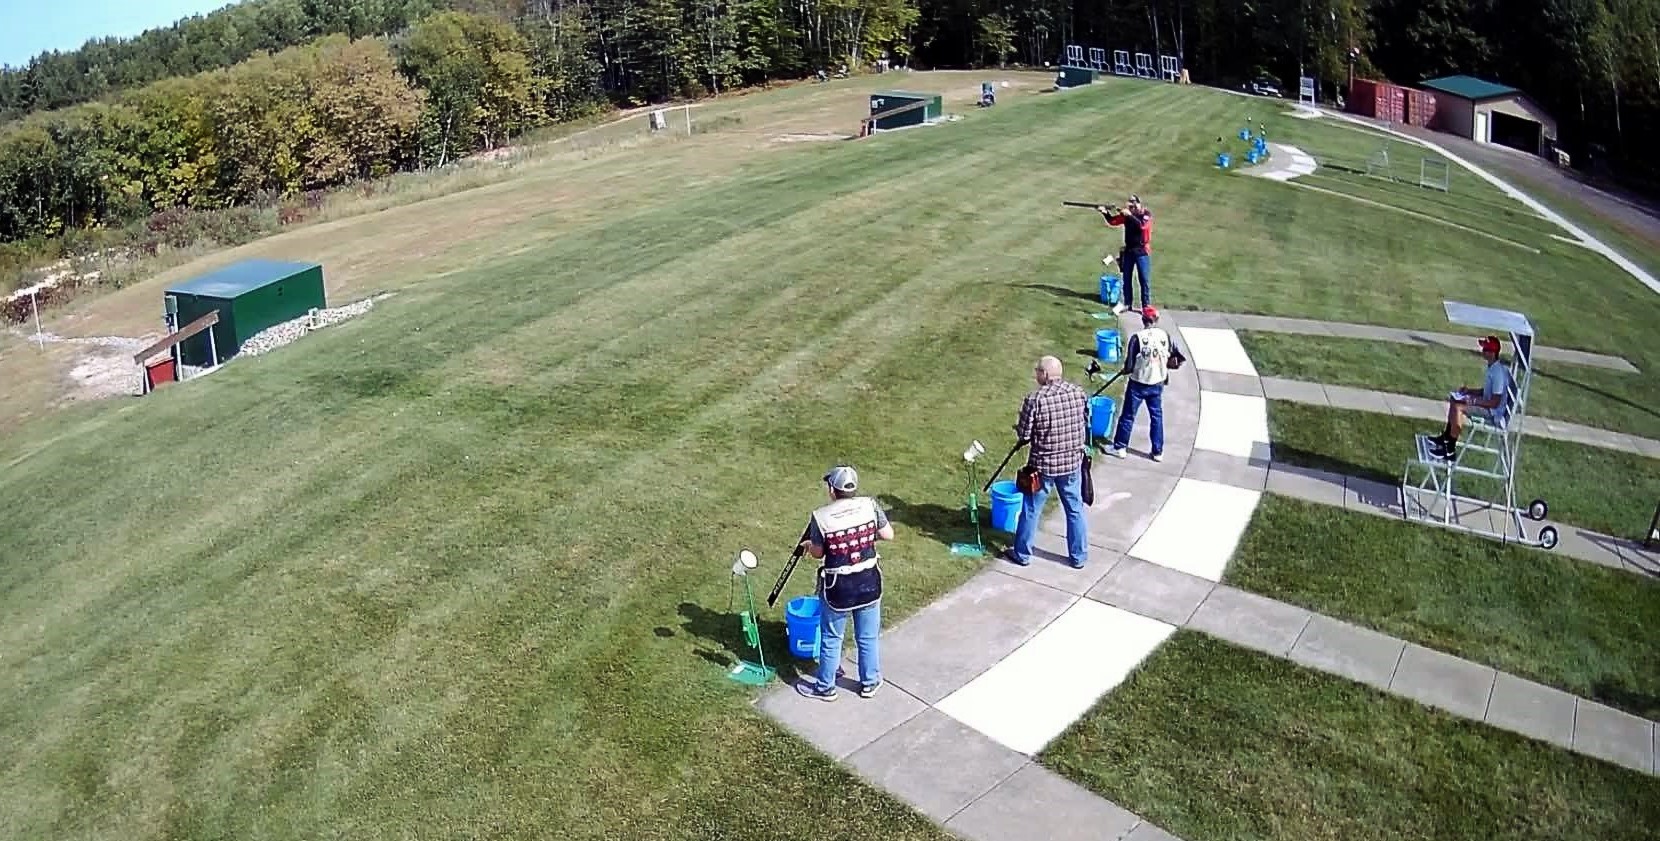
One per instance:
(1491, 113)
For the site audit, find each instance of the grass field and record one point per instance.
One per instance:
(458, 567)
(1603, 490)
(1614, 400)
(1265, 749)
(1565, 623)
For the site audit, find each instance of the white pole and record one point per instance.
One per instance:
(688, 119)
(34, 304)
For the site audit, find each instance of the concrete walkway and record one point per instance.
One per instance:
(1307, 327)
(1284, 163)
(978, 683)
(1423, 408)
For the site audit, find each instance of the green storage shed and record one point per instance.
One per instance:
(1072, 77)
(929, 107)
(250, 296)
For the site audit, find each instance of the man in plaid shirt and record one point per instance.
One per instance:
(1054, 420)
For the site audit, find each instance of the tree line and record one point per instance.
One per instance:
(278, 97)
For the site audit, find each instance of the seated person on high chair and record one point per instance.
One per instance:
(1490, 402)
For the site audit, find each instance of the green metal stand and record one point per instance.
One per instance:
(745, 672)
(977, 549)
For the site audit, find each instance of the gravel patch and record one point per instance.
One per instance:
(275, 337)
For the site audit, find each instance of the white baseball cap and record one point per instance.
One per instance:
(842, 478)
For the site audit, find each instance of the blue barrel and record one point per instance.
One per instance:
(1110, 284)
(1106, 345)
(1244, 134)
(801, 617)
(1005, 506)
(1100, 416)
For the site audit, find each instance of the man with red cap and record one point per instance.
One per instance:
(1148, 360)
(1490, 402)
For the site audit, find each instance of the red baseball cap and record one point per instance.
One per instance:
(1150, 313)
(1490, 344)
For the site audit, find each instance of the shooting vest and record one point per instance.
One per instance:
(1135, 232)
(1152, 357)
(850, 577)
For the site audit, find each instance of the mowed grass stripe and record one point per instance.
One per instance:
(373, 392)
(1212, 741)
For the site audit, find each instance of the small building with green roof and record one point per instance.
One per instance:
(1488, 112)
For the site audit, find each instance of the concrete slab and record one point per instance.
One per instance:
(1233, 424)
(844, 725)
(1306, 483)
(1128, 496)
(1344, 397)
(1295, 391)
(955, 639)
(1212, 349)
(1230, 383)
(1148, 832)
(1635, 557)
(1049, 566)
(1359, 654)
(1277, 324)
(1038, 803)
(1198, 528)
(1034, 694)
(1533, 710)
(1195, 318)
(936, 764)
(1444, 681)
(1646, 446)
(1614, 736)
(1588, 546)
(1250, 620)
(1371, 497)
(1224, 469)
(1411, 406)
(1152, 590)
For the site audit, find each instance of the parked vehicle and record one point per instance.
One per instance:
(1265, 87)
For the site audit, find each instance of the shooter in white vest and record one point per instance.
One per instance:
(844, 534)
(1148, 361)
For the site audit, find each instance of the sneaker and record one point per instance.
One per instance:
(1158, 456)
(1116, 452)
(810, 689)
(1009, 555)
(1118, 308)
(870, 691)
(1075, 564)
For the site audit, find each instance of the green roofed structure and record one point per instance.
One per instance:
(249, 296)
(1488, 112)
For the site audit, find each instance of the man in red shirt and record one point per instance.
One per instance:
(1136, 258)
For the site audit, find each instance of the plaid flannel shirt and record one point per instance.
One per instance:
(1054, 419)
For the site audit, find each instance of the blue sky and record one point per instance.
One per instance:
(31, 26)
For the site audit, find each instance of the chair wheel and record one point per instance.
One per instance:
(1537, 509)
(1548, 537)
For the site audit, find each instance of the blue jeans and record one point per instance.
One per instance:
(1070, 488)
(1134, 395)
(832, 624)
(1137, 264)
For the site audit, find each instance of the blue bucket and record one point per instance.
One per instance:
(1106, 345)
(1100, 416)
(1110, 284)
(1244, 134)
(1005, 506)
(801, 617)
(1223, 159)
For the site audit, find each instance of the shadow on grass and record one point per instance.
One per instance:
(937, 522)
(1297, 457)
(1061, 291)
(1623, 698)
(724, 631)
(1600, 394)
